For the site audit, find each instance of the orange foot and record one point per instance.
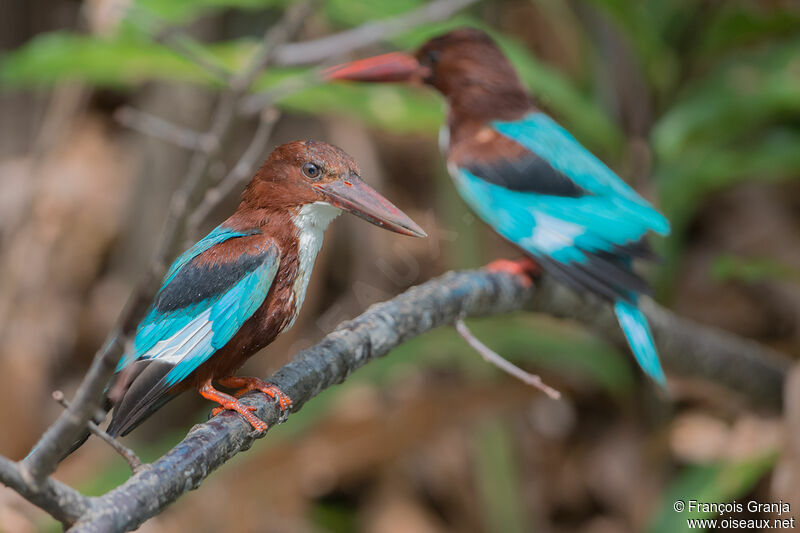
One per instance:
(246, 385)
(229, 403)
(526, 268)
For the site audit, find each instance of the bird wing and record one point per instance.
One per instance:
(562, 205)
(202, 303)
(544, 137)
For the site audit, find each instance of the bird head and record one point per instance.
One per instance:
(302, 173)
(464, 62)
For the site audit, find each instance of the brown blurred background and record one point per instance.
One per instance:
(697, 104)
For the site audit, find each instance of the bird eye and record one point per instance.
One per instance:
(433, 57)
(312, 171)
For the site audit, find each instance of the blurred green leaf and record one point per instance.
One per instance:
(395, 108)
(701, 171)
(357, 12)
(732, 100)
(183, 11)
(643, 23)
(332, 518)
(496, 472)
(717, 483)
(124, 62)
(752, 270)
(742, 23)
(684, 184)
(118, 61)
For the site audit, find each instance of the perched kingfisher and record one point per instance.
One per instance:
(529, 179)
(237, 289)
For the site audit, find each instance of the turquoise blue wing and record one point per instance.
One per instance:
(584, 241)
(206, 298)
(202, 305)
(549, 141)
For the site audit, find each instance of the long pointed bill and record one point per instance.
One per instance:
(395, 66)
(362, 200)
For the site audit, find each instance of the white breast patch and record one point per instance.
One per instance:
(311, 222)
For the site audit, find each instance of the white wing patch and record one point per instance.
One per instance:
(196, 334)
(551, 234)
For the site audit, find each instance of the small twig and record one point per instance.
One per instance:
(133, 460)
(278, 34)
(179, 42)
(163, 129)
(504, 364)
(255, 103)
(317, 50)
(187, 47)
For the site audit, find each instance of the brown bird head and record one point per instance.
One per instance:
(465, 65)
(301, 173)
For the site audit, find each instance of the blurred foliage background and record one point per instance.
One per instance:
(696, 103)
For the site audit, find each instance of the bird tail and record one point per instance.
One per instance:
(637, 331)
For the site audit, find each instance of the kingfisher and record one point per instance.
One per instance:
(529, 179)
(238, 288)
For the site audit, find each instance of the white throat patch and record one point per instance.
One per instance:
(311, 222)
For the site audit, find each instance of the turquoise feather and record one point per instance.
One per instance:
(199, 330)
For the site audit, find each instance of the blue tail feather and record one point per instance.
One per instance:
(637, 331)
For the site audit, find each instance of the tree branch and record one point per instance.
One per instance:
(62, 502)
(685, 347)
(126, 453)
(385, 326)
(163, 129)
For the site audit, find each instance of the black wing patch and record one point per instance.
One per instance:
(607, 275)
(195, 283)
(529, 173)
(640, 249)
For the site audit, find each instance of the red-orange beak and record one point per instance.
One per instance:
(392, 67)
(354, 195)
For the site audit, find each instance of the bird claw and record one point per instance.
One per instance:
(283, 402)
(284, 416)
(229, 403)
(246, 385)
(257, 433)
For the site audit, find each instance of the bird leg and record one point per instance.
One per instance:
(229, 403)
(246, 385)
(525, 267)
